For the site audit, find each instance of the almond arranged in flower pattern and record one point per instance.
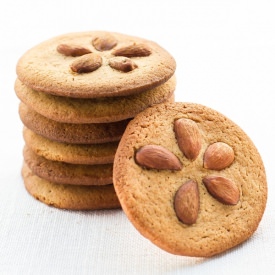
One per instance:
(186, 202)
(218, 156)
(86, 63)
(157, 157)
(222, 189)
(104, 43)
(188, 137)
(72, 50)
(123, 64)
(133, 50)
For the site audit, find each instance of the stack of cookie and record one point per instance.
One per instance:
(78, 92)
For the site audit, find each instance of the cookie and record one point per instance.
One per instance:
(72, 153)
(66, 173)
(96, 110)
(92, 133)
(71, 197)
(189, 179)
(95, 64)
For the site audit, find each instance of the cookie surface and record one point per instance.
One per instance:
(189, 179)
(71, 153)
(66, 173)
(71, 197)
(120, 64)
(96, 110)
(92, 133)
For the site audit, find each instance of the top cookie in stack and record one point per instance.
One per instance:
(78, 91)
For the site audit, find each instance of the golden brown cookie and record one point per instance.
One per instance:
(95, 110)
(70, 132)
(189, 179)
(71, 197)
(71, 153)
(66, 173)
(95, 64)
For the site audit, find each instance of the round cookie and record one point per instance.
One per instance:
(95, 64)
(71, 197)
(92, 133)
(71, 153)
(66, 173)
(95, 110)
(189, 179)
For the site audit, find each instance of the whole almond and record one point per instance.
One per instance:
(222, 189)
(157, 157)
(86, 63)
(72, 50)
(133, 50)
(218, 156)
(104, 43)
(188, 137)
(122, 63)
(186, 202)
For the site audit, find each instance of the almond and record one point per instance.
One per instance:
(72, 50)
(157, 157)
(188, 137)
(218, 156)
(123, 64)
(222, 189)
(133, 50)
(86, 63)
(186, 202)
(104, 43)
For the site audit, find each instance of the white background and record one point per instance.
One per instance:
(225, 53)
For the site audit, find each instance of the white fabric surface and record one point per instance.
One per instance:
(225, 51)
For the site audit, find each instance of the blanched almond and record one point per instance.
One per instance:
(157, 157)
(218, 156)
(222, 189)
(186, 202)
(188, 137)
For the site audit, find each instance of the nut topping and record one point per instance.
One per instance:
(188, 137)
(123, 64)
(222, 189)
(86, 63)
(186, 202)
(72, 50)
(104, 43)
(157, 157)
(218, 156)
(134, 50)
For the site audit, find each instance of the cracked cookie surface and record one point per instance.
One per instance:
(154, 197)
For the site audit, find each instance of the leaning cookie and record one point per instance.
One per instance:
(189, 179)
(93, 110)
(71, 153)
(66, 173)
(95, 64)
(91, 133)
(71, 197)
